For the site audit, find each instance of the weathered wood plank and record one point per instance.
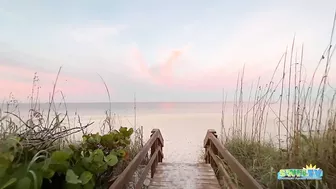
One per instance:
(184, 176)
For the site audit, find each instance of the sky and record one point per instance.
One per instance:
(162, 50)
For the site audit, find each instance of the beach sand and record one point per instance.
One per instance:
(183, 134)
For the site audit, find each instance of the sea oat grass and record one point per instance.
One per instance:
(305, 121)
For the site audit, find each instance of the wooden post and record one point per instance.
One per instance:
(153, 148)
(208, 145)
(207, 159)
(213, 148)
(160, 155)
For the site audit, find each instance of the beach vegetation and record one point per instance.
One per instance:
(288, 122)
(48, 151)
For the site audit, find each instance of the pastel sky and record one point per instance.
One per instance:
(162, 50)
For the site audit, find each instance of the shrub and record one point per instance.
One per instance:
(78, 165)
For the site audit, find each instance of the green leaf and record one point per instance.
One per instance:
(102, 167)
(123, 130)
(60, 166)
(85, 177)
(127, 141)
(4, 163)
(130, 132)
(84, 138)
(60, 156)
(23, 183)
(86, 162)
(108, 140)
(48, 173)
(89, 185)
(19, 172)
(78, 168)
(98, 155)
(72, 186)
(121, 153)
(2, 171)
(9, 156)
(8, 183)
(111, 159)
(71, 177)
(94, 167)
(96, 138)
(6, 159)
(92, 138)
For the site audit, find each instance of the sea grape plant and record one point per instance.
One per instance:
(76, 166)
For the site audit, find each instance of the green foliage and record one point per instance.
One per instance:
(80, 164)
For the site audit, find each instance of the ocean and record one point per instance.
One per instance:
(183, 125)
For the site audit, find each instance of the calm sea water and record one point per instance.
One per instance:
(127, 108)
(183, 125)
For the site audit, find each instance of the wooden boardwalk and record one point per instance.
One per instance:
(184, 176)
(164, 175)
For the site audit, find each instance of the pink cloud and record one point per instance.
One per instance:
(206, 79)
(21, 79)
(219, 76)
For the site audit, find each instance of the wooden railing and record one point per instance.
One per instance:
(155, 144)
(215, 152)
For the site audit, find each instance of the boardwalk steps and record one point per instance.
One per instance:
(184, 176)
(164, 175)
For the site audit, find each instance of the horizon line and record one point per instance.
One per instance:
(131, 102)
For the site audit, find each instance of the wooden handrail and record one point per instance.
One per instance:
(213, 148)
(155, 144)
